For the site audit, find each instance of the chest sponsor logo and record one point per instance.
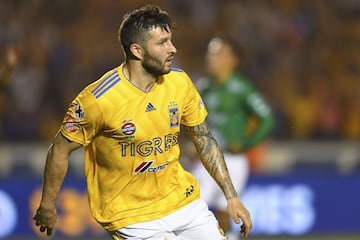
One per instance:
(128, 128)
(146, 166)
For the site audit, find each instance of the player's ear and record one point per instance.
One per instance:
(136, 50)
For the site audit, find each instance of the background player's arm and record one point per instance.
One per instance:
(55, 170)
(264, 120)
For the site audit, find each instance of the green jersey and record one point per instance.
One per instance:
(231, 106)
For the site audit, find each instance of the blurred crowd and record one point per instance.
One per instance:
(303, 55)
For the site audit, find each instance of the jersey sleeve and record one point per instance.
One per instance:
(194, 109)
(83, 119)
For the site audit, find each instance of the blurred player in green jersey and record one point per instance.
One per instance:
(233, 103)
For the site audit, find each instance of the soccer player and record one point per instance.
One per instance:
(129, 122)
(232, 103)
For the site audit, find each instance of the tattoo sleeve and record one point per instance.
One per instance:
(212, 157)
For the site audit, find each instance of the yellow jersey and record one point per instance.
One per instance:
(132, 166)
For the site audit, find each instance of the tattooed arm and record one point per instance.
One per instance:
(211, 157)
(213, 160)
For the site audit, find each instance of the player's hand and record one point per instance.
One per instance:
(239, 214)
(45, 219)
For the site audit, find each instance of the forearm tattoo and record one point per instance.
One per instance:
(211, 156)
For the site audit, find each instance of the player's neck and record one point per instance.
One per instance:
(138, 77)
(222, 77)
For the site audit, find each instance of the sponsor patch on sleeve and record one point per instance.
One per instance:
(201, 104)
(71, 124)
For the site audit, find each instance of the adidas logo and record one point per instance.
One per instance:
(150, 108)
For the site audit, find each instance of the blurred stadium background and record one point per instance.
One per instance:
(304, 56)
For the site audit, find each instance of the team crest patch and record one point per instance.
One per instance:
(173, 114)
(71, 124)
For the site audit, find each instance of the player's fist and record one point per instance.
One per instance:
(45, 219)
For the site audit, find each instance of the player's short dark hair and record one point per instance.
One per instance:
(136, 24)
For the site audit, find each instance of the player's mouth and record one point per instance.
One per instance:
(169, 60)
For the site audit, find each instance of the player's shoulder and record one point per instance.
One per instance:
(177, 76)
(104, 83)
(177, 73)
(240, 83)
(176, 70)
(243, 79)
(92, 92)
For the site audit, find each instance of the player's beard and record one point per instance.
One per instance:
(154, 66)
